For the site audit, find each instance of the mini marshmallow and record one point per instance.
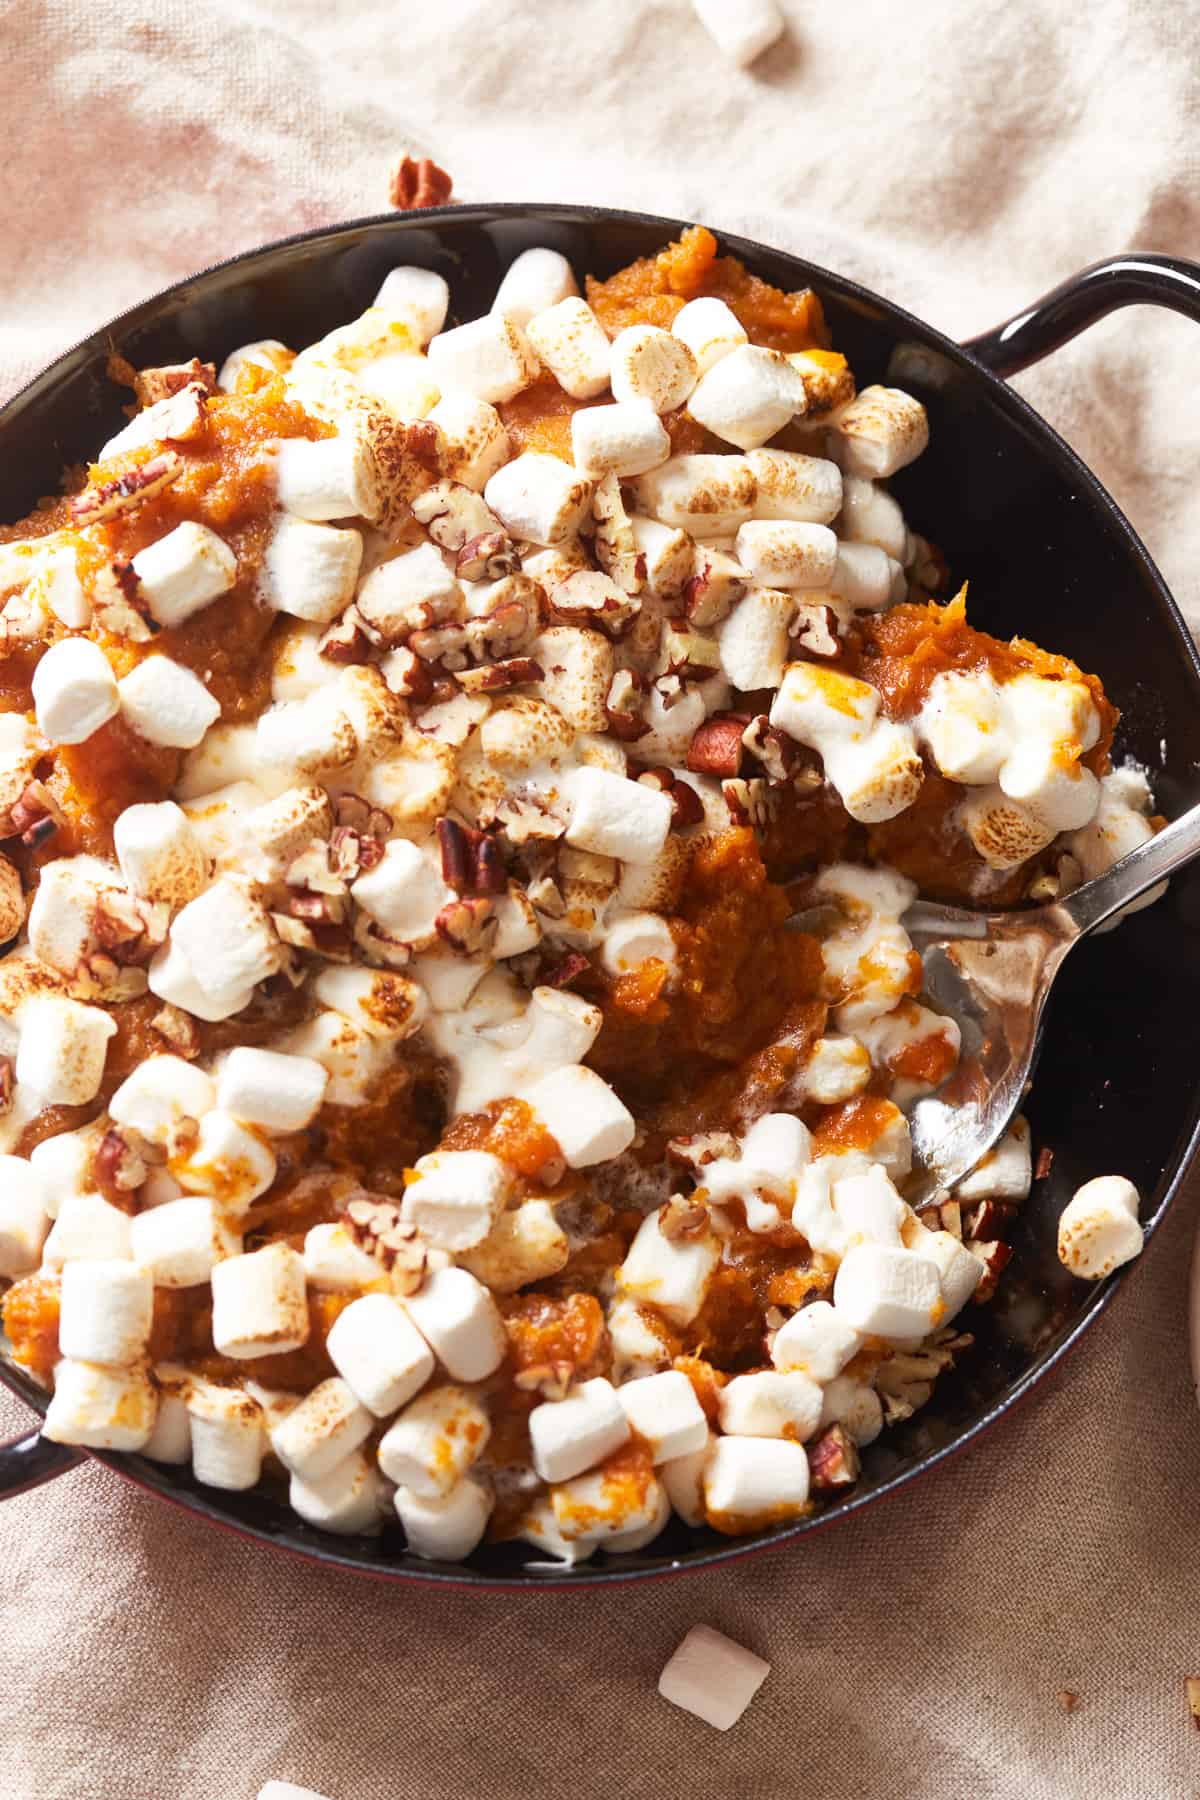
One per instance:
(683, 1481)
(310, 570)
(571, 342)
(62, 912)
(1061, 711)
(399, 594)
(74, 691)
(179, 1243)
(633, 939)
(652, 367)
(100, 1408)
(625, 439)
(326, 1427)
(534, 281)
(227, 938)
(613, 816)
(160, 1094)
(710, 496)
(171, 1440)
(668, 554)
(434, 1441)
(490, 358)
(602, 1509)
(882, 430)
(265, 353)
(228, 1433)
(856, 1406)
(709, 1675)
(962, 725)
(446, 1529)
(583, 1115)
(577, 669)
(105, 1312)
(862, 577)
(710, 330)
(303, 738)
(816, 705)
(351, 1056)
(457, 1198)
(1006, 1172)
(871, 516)
(379, 1002)
(1098, 1229)
(259, 1305)
(57, 589)
(229, 1162)
(753, 1482)
(770, 1404)
(877, 776)
(525, 1244)
(159, 853)
(460, 1322)
(166, 704)
(1052, 786)
(418, 296)
(328, 478)
(748, 396)
(170, 977)
(266, 1088)
(287, 825)
(404, 891)
(475, 441)
(815, 1341)
(886, 1292)
(348, 1500)
(754, 639)
(62, 1049)
(379, 1353)
(225, 764)
(837, 1069)
(539, 497)
(793, 486)
(571, 1435)
(24, 1221)
(87, 1227)
(960, 1272)
(183, 572)
(1004, 832)
(786, 553)
(1118, 826)
(868, 1208)
(671, 1274)
(335, 1263)
(664, 1411)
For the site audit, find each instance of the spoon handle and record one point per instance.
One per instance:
(1171, 849)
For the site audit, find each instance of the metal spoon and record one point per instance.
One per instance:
(992, 974)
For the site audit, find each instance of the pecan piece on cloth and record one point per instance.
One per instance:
(416, 182)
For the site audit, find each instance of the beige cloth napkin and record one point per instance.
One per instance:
(961, 157)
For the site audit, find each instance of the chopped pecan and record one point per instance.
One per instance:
(409, 677)
(589, 597)
(118, 603)
(692, 655)
(1068, 1700)
(487, 557)
(444, 644)
(1044, 1164)
(35, 817)
(312, 872)
(681, 1219)
(833, 1460)
(125, 927)
(566, 973)
(317, 909)
(376, 1226)
(177, 1029)
(515, 615)
(990, 1219)
(472, 862)
(749, 802)
(703, 1147)
(152, 385)
(687, 808)
(423, 441)
(995, 1257)
(942, 1215)
(359, 815)
(814, 630)
(127, 490)
(526, 817)
(467, 925)
(718, 746)
(416, 182)
(494, 678)
(616, 549)
(552, 1380)
(623, 706)
(714, 589)
(772, 749)
(118, 1167)
(8, 1083)
(346, 640)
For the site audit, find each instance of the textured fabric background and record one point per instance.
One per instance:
(961, 155)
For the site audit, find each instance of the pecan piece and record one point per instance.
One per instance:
(487, 557)
(704, 1147)
(416, 182)
(467, 925)
(118, 1168)
(494, 678)
(749, 802)
(35, 817)
(359, 815)
(566, 973)
(552, 1380)
(8, 1083)
(814, 630)
(1044, 1164)
(681, 1219)
(152, 385)
(990, 1219)
(178, 1029)
(346, 641)
(995, 1258)
(833, 1460)
(127, 490)
(623, 706)
(718, 746)
(376, 1226)
(692, 655)
(773, 750)
(118, 604)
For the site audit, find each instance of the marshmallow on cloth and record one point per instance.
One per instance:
(890, 1293)
(711, 1676)
(710, 329)
(663, 1409)
(751, 1481)
(259, 1303)
(455, 1197)
(748, 396)
(582, 1113)
(459, 1320)
(445, 1529)
(573, 345)
(539, 497)
(327, 1425)
(310, 570)
(328, 478)
(710, 496)
(418, 296)
(434, 1442)
(793, 486)
(348, 1500)
(489, 358)
(625, 439)
(62, 1049)
(183, 572)
(159, 853)
(272, 1090)
(105, 1312)
(787, 553)
(227, 938)
(100, 1408)
(228, 1161)
(881, 431)
(533, 281)
(74, 691)
(476, 443)
(379, 1353)
(179, 1244)
(166, 704)
(161, 1093)
(571, 1435)
(652, 367)
(1098, 1229)
(770, 1404)
(671, 1274)
(24, 1220)
(612, 816)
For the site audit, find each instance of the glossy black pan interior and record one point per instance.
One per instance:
(1047, 554)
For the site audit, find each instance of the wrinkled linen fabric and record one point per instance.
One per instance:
(961, 158)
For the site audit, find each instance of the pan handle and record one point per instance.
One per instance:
(1078, 302)
(28, 1461)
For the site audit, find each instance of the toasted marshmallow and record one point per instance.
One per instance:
(457, 1197)
(179, 1244)
(816, 1342)
(837, 1069)
(878, 776)
(571, 1435)
(166, 704)
(1061, 711)
(525, 1244)
(259, 1305)
(460, 1322)
(710, 330)
(668, 554)
(159, 853)
(87, 1227)
(962, 724)
(582, 1113)
(748, 396)
(418, 296)
(415, 784)
(57, 589)
(625, 439)
(74, 691)
(475, 441)
(435, 1441)
(170, 977)
(267, 354)
(379, 1353)
(229, 1162)
(652, 367)
(887, 1292)
(770, 1404)
(403, 892)
(754, 1481)
(62, 912)
(671, 1274)
(634, 938)
(710, 496)
(958, 1270)
(1055, 788)
(882, 430)
(272, 1090)
(351, 1056)
(793, 486)
(161, 1093)
(663, 1409)
(24, 1220)
(62, 1049)
(534, 281)
(401, 594)
(171, 1440)
(709, 1675)
(490, 358)
(539, 497)
(817, 706)
(1006, 1172)
(871, 516)
(12, 901)
(348, 1500)
(310, 570)
(100, 1408)
(228, 1430)
(1004, 832)
(383, 1004)
(446, 1529)
(862, 579)
(600, 1508)
(328, 478)
(1118, 826)
(283, 827)
(227, 938)
(577, 668)
(856, 1406)
(786, 553)
(612, 816)
(327, 1426)
(227, 761)
(105, 1312)
(304, 738)
(571, 342)
(1098, 1229)
(183, 572)
(754, 639)
(335, 1263)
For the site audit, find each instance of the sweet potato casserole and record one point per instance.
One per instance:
(413, 753)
